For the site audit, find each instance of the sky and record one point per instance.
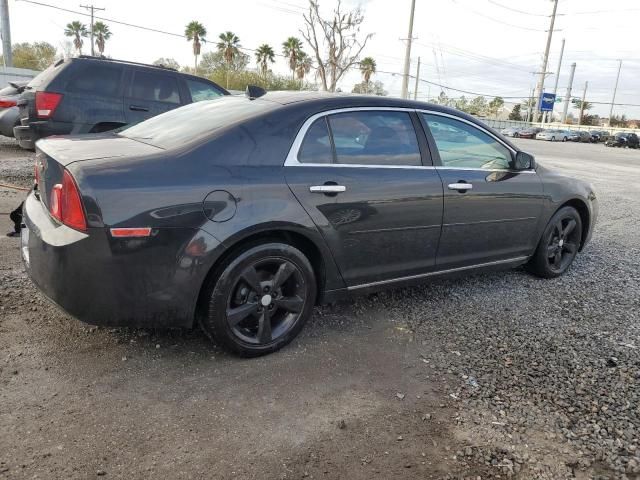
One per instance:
(489, 47)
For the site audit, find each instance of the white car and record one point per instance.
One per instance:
(553, 135)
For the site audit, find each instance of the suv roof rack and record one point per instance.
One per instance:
(92, 57)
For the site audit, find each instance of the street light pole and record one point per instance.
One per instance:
(567, 97)
(7, 54)
(545, 60)
(407, 54)
(615, 90)
(415, 90)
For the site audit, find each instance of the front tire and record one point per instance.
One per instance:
(558, 245)
(260, 300)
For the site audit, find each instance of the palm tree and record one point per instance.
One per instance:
(102, 34)
(196, 33)
(265, 54)
(303, 66)
(78, 30)
(367, 68)
(292, 48)
(229, 46)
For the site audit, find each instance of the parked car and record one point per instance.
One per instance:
(623, 140)
(529, 132)
(9, 113)
(599, 135)
(241, 221)
(88, 94)
(579, 136)
(553, 135)
(511, 131)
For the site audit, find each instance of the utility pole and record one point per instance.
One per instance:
(530, 106)
(584, 95)
(545, 60)
(567, 97)
(615, 90)
(7, 54)
(407, 54)
(415, 90)
(92, 8)
(555, 86)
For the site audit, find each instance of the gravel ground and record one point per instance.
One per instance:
(493, 376)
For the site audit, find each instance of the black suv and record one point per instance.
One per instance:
(624, 140)
(89, 95)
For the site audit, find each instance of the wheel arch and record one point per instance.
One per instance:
(585, 216)
(315, 253)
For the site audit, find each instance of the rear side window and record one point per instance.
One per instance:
(202, 91)
(375, 138)
(157, 87)
(316, 146)
(96, 79)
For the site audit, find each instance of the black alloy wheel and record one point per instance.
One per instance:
(261, 300)
(559, 244)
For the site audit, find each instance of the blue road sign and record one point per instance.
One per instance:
(546, 102)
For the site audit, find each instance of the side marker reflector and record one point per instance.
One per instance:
(130, 232)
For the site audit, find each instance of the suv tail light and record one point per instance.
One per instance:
(46, 103)
(65, 204)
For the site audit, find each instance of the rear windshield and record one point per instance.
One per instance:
(45, 76)
(185, 124)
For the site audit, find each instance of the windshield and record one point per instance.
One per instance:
(185, 124)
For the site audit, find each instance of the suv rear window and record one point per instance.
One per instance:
(96, 79)
(46, 75)
(183, 125)
(156, 87)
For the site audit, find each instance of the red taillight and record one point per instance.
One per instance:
(65, 203)
(7, 103)
(46, 103)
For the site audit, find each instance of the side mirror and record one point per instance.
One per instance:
(524, 161)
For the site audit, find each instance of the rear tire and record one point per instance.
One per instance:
(558, 245)
(260, 300)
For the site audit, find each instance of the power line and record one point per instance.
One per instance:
(516, 10)
(496, 20)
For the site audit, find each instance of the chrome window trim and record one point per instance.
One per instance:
(292, 156)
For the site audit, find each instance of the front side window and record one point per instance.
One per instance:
(202, 91)
(374, 138)
(465, 146)
(157, 87)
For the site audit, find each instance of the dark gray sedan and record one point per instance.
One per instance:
(241, 214)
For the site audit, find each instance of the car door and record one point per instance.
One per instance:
(150, 93)
(200, 90)
(491, 211)
(366, 179)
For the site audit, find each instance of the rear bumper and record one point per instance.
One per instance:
(30, 132)
(9, 117)
(150, 282)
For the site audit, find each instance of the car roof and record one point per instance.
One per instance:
(115, 60)
(322, 101)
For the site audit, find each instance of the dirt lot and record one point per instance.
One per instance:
(495, 376)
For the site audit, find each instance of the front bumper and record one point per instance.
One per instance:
(139, 282)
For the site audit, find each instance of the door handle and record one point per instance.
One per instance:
(460, 186)
(138, 108)
(327, 189)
